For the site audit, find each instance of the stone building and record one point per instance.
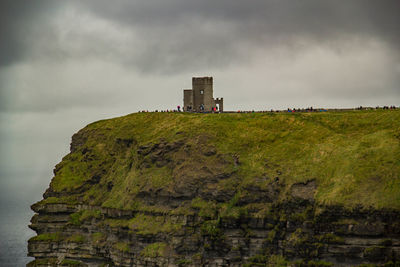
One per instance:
(200, 97)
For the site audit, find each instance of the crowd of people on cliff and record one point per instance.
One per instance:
(311, 109)
(182, 109)
(289, 110)
(387, 107)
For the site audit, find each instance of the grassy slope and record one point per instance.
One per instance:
(354, 156)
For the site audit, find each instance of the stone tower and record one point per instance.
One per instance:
(201, 96)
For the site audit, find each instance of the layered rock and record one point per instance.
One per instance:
(180, 199)
(296, 230)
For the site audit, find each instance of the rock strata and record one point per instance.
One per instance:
(127, 195)
(296, 230)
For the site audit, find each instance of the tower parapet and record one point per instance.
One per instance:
(219, 103)
(202, 80)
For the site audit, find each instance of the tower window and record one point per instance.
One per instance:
(201, 92)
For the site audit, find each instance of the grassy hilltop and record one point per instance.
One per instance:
(353, 157)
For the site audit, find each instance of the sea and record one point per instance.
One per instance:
(14, 235)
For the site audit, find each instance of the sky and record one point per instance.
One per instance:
(64, 64)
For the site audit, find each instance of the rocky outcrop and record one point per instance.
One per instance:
(179, 200)
(296, 230)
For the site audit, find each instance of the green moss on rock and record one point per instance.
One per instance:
(354, 157)
(42, 262)
(48, 237)
(122, 246)
(72, 263)
(154, 250)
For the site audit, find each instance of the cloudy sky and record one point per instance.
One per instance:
(64, 64)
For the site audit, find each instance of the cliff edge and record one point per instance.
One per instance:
(258, 189)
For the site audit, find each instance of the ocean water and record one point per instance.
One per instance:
(18, 191)
(14, 234)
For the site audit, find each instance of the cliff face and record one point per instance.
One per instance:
(225, 190)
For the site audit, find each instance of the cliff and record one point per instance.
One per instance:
(176, 189)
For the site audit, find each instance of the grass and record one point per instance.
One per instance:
(144, 224)
(43, 262)
(49, 237)
(154, 250)
(58, 237)
(207, 209)
(98, 237)
(353, 156)
(122, 246)
(78, 218)
(151, 225)
(76, 238)
(68, 262)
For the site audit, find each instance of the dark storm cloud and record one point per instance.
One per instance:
(21, 24)
(171, 36)
(70, 53)
(177, 27)
(284, 16)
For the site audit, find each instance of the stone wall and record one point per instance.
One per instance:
(295, 230)
(188, 99)
(203, 92)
